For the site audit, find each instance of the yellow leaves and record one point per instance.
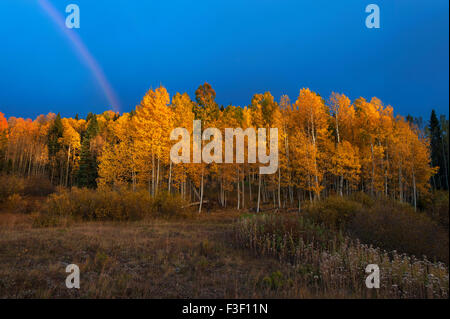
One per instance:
(338, 102)
(411, 156)
(361, 143)
(345, 162)
(182, 107)
(70, 136)
(154, 122)
(116, 165)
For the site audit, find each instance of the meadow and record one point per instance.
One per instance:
(131, 245)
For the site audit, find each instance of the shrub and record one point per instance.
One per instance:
(168, 205)
(33, 186)
(362, 198)
(10, 185)
(17, 204)
(394, 226)
(386, 223)
(107, 204)
(334, 212)
(38, 186)
(438, 208)
(104, 204)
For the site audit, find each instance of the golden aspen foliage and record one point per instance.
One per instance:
(311, 115)
(324, 148)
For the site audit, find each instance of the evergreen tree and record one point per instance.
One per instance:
(437, 154)
(90, 116)
(88, 171)
(444, 140)
(92, 129)
(55, 133)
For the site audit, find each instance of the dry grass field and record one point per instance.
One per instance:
(203, 256)
(146, 259)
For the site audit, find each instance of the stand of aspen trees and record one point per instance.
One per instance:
(326, 146)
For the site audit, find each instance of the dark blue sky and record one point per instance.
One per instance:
(240, 47)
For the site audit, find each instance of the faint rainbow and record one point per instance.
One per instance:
(84, 53)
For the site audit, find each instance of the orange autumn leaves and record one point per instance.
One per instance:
(326, 146)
